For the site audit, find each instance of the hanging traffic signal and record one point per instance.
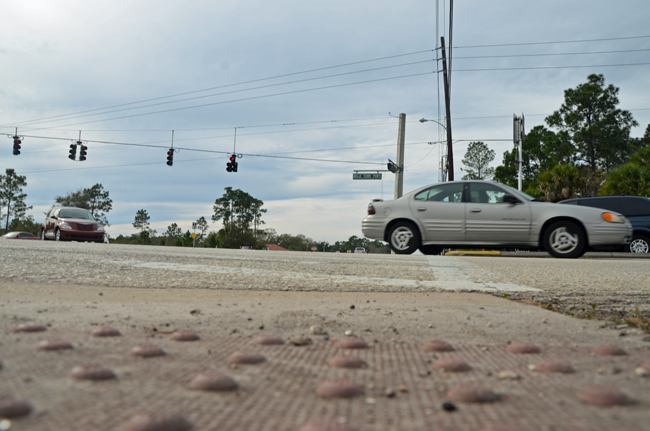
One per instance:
(73, 152)
(170, 157)
(17, 143)
(82, 151)
(231, 166)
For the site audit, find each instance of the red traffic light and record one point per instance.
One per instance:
(169, 153)
(232, 158)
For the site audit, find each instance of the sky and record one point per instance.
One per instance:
(312, 90)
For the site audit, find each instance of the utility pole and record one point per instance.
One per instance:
(518, 137)
(399, 175)
(450, 150)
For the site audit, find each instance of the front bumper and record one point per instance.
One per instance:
(610, 234)
(79, 235)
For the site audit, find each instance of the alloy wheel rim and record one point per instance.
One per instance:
(639, 246)
(401, 238)
(563, 241)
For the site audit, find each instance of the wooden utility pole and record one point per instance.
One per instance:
(450, 150)
(399, 175)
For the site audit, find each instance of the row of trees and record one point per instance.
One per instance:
(241, 217)
(585, 149)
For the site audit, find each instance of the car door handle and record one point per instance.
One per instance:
(422, 209)
(475, 210)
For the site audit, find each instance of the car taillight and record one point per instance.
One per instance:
(371, 209)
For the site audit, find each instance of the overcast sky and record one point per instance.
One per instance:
(298, 79)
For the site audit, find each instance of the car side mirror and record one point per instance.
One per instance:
(509, 199)
(54, 217)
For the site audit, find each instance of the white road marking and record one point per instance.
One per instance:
(453, 273)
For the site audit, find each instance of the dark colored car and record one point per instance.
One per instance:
(19, 235)
(71, 224)
(635, 208)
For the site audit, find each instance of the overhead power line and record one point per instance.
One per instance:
(553, 42)
(234, 91)
(554, 54)
(226, 86)
(549, 67)
(250, 98)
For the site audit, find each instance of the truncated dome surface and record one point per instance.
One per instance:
(281, 394)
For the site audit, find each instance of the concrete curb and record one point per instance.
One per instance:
(589, 255)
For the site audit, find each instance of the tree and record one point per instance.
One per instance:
(599, 131)
(173, 231)
(477, 160)
(238, 210)
(562, 182)
(628, 179)
(94, 199)
(12, 196)
(641, 157)
(142, 220)
(203, 226)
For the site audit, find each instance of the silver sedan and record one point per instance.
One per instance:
(486, 214)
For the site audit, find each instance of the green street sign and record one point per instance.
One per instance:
(376, 176)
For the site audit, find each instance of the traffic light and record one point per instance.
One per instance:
(170, 157)
(17, 143)
(82, 151)
(231, 166)
(73, 152)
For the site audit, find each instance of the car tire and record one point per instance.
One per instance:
(404, 238)
(57, 235)
(42, 235)
(639, 244)
(431, 250)
(565, 239)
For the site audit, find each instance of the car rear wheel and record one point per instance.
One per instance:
(57, 235)
(431, 250)
(565, 239)
(639, 244)
(404, 238)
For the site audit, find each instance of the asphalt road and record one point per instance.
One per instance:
(612, 285)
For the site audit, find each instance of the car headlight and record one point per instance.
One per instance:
(100, 228)
(65, 226)
(612, 218)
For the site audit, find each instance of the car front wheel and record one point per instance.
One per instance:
(565, 239)
(57, 235)
(42, 234)
(639, 244)
(404, 238)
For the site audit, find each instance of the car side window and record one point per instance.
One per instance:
(449, 192)
(483, 193)
(634, 207)
(422, 196)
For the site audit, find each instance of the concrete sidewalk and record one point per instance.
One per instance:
(404, 382)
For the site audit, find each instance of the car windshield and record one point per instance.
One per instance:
(76, 213)
(516, 192)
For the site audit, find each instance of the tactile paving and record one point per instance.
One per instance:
(282, 392)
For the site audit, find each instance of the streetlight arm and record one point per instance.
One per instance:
(424, 120)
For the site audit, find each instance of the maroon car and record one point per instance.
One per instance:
(19, 235)
(71, 224)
